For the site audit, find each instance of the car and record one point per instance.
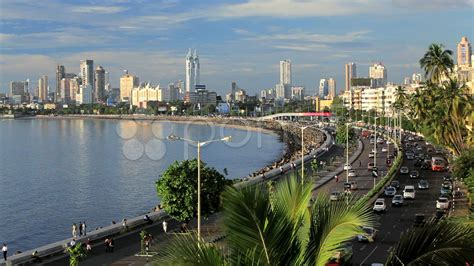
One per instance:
(404, 170)
(445, 189)
(411, 138)
(390, 191)
(414, 174)
(335, 196)
(418, 162)
(379, 205)
(443, 203)
(384, 149)
(425, 166)
(423, 184)
(410, 156)
(420, 220)
(448, 178)
(370, 166)
(380, 140)
(347, 167)
(429, 150)
(368, 234)
(409, 192)
(448, 184)
(395, 184)
(352, 173)
(374, 150)
(371, 155)
(419, 148)
(438, 151)
(439, 214)
(420, 156)
(347, 186)
(397, 200)
(353, 185)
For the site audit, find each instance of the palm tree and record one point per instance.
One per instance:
(443, 243)
(437, 62)
(279, 227)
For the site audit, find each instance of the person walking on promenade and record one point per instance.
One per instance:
(84, 228)
(88, 246)
(165, 226)
(111, 245)
(107, 244)
(36, 257)
(80, 228)
(74, 230)
(124, 224)
(5, 251)
(336, 178)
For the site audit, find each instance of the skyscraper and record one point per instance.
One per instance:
(464, 52)
(43, 88)
(99, 91)
(60, 74)
(379, 74)
(17, 88)
(323, 88)
(332, 88)
(127, 83)
(87, 73)
(192, 70)
(351, 72)
(285, 72)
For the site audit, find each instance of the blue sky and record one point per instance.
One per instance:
(236, 40)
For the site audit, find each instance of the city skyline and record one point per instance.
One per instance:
(232, 45)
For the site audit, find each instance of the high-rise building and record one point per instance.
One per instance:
(192, 70)
(417, 78)
(17, 88)
(127, 83)
(285, 72)
(351, 72)
(84, 96)
(323, 88)
(65, 90)
(60, 74)
(297, 93)
(99, 92)
(378, 72)
(464, 52)
(332, 88)
(74, 84)
(87, 73)
(43, 88)
(407, 81)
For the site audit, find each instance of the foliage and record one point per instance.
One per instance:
(464, 164)
(76, 253)
(285, 229)
(341, 131)
(314, 166)
(442, 243)
(437, 63)
(177, 189)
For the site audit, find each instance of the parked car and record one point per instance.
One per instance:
(409, 192)
(347, 167)
(445, 189)
(353, 185)
(414, 174)
(371, 155)
(335, 196)
(395, 184)
(404, 170)
(390, 191)
(420, 220)
(379, 205)
(442, 203)
(352, 173)
(368, 235)
(439, 214)
(423, 184)
(370, 166)
(397, 200)
(384, 149)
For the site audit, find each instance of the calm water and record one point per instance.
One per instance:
(57, 172)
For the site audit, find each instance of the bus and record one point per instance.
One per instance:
(438, 164)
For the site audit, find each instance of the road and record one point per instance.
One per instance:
(397, 220)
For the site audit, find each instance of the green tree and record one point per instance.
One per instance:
(442, 243)
(76, 254)
(437, 63)
(464, 164)
(341, 133)
(177, 189)
(284, 227)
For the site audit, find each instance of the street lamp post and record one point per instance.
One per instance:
(347, 151)
(199, 144)
(302, 154)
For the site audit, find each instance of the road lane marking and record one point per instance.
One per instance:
(363, 247)
(370, 254)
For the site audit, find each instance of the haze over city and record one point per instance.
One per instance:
(241, 41)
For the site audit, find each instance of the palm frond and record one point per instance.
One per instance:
(444, 243)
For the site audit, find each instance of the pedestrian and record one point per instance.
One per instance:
(84, 228)
(124, 224)
(360, 163)
(36, 257)
(337, 178)
(147, 219)
(165, 226)
(281, 170)
(72, 243)
(107, 244)
(74, 230)
(147, 242)
(80, 228)
(88, 246)
(111, 245)
(5, 250)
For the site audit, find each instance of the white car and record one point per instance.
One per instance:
(442, 203)
(352, 173)
(379, 205)
(347, 167)
(335, 196)
(404, 170)
(409, 192)
(368, 235)
(371, 155)
(384, 149)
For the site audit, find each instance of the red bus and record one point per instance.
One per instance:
(438, 164)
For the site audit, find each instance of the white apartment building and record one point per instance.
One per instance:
(141, 96)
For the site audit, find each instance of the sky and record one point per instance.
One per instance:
(240, 41)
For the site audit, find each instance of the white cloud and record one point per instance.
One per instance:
(98, 9)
